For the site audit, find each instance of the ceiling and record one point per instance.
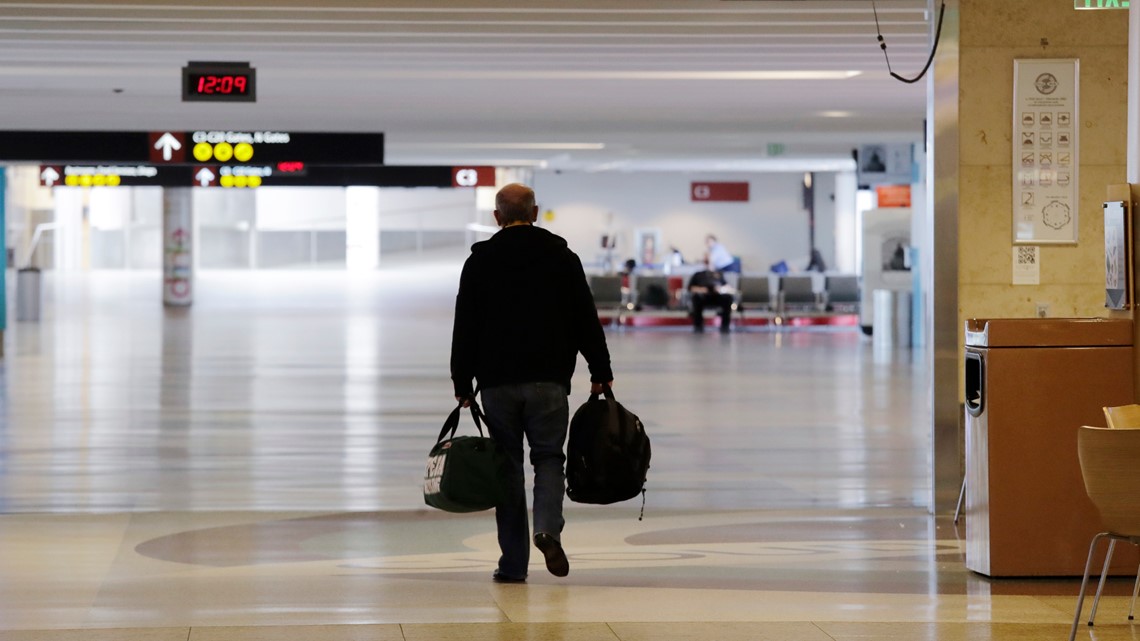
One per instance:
(582, 84)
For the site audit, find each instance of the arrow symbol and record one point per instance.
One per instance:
(49, 176)
(204, 176)
(168, 144)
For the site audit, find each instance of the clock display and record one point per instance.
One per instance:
(218, 84)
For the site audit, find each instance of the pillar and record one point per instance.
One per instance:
(178, 244)
(3, 258)
(362, 228)
(940, 263)
(976, 167)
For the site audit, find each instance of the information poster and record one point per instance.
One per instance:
(1045, 151)
(1027, 265)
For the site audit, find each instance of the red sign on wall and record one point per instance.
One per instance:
(720, 192)
(472, 176)
(893, 195)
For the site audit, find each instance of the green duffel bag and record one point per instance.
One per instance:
(465, 473)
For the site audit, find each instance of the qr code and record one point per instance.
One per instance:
(1026, 255)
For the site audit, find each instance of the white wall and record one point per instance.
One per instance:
(426, 209)
(298, 208)
(772, 226)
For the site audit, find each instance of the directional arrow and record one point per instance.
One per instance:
(49, 176)
(204, 176)
(168, 144)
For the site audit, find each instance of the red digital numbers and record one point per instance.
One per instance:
(221, 82)
(226, 85)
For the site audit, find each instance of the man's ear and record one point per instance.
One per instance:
(534, 215)
(498, 218)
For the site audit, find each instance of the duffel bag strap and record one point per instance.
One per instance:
(607, 391)
(452, 423)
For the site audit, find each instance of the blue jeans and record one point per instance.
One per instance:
(540, 412)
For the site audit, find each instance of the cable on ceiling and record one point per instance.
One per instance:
(933, 50)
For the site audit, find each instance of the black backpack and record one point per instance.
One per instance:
(608, 453)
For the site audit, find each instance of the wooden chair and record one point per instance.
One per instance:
(1122, 416)
(1112, 481)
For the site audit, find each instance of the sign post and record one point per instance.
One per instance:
(177, 247)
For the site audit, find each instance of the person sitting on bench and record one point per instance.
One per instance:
(708, 288)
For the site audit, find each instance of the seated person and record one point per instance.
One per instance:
(719, 257)
(706, 288)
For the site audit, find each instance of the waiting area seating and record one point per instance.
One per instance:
(760, 298)
(609, 296)
(841, 293)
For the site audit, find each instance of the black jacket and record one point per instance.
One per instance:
(523, 313)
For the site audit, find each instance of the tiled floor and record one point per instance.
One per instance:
(249, 469)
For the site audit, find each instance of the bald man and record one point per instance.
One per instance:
(523, 313)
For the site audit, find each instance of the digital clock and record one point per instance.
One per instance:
(219, 82)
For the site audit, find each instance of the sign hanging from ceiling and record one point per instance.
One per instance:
(473, 177)
(719, 192)
(204, 146)
(249, 176)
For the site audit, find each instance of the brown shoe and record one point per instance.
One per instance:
(551, 549)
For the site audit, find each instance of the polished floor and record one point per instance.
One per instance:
(250, 468)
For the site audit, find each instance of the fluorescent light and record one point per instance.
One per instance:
(573, 146)
(703, 75)
(616, 75)
(836, 114)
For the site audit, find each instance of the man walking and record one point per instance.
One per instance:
(523, 313)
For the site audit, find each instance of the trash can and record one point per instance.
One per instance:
(1030, 384)
(28, 284)
(891, 323)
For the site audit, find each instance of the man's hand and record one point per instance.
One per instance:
(596, 388)
(465, 401)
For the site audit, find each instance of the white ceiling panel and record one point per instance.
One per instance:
(651, 82)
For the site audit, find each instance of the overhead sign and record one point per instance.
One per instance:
(204, 146)
(239, 176)
(1101, 4)
(719, 192)
(473, 177)
(94, 175)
